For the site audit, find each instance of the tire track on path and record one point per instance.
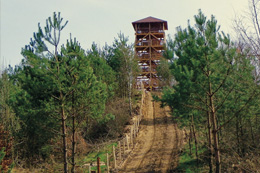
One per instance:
(157, 144)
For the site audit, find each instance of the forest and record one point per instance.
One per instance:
(62, 99)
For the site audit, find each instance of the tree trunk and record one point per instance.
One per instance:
(252, 132)
(190, 139)
(130, 97)
(256, 122)
(216, 145)
(64, 136)
(73, 136)
(210, 143)
(237, 134)
(243, 148)
(195, 140)
(214, 131)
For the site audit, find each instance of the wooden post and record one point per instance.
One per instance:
(107, 163)
(134, 128)
(127, 142)
(138, 121)
(142, 96)
(131, 135)
(120, 153)
(114, 155)
(98, 165)
(137, 125)
(124, 146)
(89, 169)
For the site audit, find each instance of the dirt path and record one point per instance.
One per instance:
(157, 144)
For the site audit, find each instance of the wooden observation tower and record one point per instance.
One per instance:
(149, 46)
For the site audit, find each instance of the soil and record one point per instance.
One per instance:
(158, 143)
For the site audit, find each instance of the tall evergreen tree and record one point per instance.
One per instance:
(57, 88)
(205, 69)
(101, 69)
(87, 96)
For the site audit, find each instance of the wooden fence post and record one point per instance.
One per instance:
(89, 169)
(134, 128)
(131, 135)
(124, 146)
(127, 142)
(107, 163)
(120, 153)
(98, 165)
(138, 121)
(137, 124)
(114, 155)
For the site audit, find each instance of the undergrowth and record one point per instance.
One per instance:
(188, 162)
(102, 154)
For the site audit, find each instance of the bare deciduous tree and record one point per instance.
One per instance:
(247, 27)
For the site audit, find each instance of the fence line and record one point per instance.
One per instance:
(126, 144)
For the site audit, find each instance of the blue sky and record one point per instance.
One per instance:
(101, 20)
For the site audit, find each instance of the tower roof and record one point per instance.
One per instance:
(151, 19)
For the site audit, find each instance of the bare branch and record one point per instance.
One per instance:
(240, 110)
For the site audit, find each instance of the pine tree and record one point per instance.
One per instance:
(86, 95)
(205, 70)
(57, 87)
(101, 69)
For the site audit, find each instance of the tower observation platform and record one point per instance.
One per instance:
(149, 46)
